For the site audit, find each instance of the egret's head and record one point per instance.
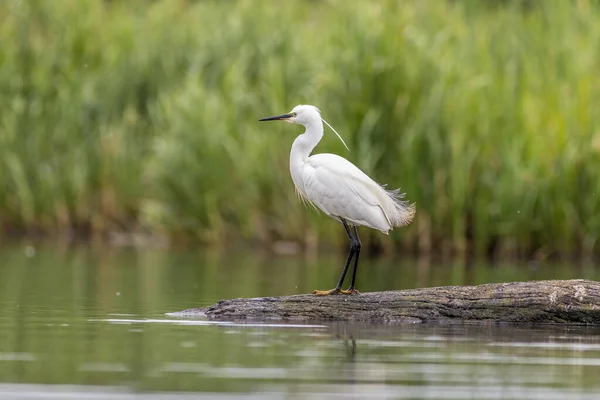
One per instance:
(306, 115)
(301, 114)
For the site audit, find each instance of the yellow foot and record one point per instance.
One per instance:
(334, 291)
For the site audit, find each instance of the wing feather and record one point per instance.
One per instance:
(340, 189)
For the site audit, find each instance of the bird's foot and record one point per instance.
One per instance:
(351, 290)
(328, 292)
(334, 291)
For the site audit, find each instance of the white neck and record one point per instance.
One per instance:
(302, 147)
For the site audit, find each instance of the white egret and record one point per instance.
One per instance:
(340, 189)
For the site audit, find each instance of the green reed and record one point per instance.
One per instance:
(143, 116)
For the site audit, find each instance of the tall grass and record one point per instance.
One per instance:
(142, 115)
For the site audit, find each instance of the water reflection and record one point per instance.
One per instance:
(90, 323)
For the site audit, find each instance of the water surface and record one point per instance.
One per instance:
(85, 322)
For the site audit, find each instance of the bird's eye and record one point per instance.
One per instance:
(294, 114)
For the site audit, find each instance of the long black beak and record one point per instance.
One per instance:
(277, 117)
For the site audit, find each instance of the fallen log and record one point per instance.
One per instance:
(556, 301)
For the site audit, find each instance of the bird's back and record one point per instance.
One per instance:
(340, 189)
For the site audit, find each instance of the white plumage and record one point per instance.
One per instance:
(339, 188)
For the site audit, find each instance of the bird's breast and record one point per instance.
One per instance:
(297, 173)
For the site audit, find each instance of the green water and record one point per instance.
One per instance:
(85, 322)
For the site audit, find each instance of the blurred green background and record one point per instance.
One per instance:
(141, 116)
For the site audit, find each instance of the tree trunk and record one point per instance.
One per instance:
(570, 301)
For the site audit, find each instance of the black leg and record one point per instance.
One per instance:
(357, 246)
(351, 253)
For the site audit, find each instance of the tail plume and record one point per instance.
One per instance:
(404, 210)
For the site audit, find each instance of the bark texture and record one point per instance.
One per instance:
(557, 301)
